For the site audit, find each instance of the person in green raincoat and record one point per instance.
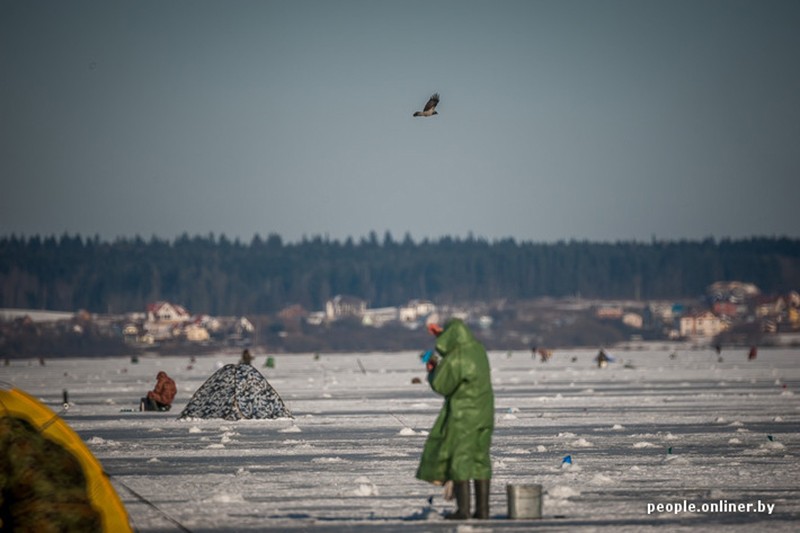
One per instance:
(457, 448)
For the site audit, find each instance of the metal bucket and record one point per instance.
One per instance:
(524, 501)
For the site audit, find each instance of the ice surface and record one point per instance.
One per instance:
(666, 431)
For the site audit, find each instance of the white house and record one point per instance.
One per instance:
(609, 312)
(243, 325)
(633, 320)
(210, 323)
(166, 312)
(342, 306)
(196, 333)
(414, 310)
(379, 316)
(702, 324)
(161, 331)
(316, 318)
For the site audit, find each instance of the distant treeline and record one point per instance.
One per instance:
(217, 276)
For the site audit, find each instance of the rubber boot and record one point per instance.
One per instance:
(481, 499)
(461, 490)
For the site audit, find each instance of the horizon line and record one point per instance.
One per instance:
(372, 237)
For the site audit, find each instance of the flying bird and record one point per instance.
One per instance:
(430, 107)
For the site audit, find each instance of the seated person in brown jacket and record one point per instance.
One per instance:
(160, 398)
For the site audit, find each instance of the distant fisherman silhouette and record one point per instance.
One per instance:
(752, 354)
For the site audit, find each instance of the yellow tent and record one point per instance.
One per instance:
(20, 410)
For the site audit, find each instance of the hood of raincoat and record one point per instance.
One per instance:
(455, 334)
(458, 445)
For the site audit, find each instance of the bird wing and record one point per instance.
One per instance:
(431, 105)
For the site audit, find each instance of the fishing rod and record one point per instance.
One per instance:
(64, 409)
(148, 503)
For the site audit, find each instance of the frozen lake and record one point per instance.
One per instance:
(346, 462)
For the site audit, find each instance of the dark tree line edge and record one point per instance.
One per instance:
(217, 276)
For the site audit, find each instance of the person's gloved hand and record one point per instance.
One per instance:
(430, 360)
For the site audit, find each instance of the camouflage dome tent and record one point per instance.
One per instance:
(49, 480)
(236, 392)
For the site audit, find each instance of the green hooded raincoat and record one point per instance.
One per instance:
(457, 448)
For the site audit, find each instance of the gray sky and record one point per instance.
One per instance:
(598, 120)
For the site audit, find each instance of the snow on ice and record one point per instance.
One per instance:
(662, 432)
